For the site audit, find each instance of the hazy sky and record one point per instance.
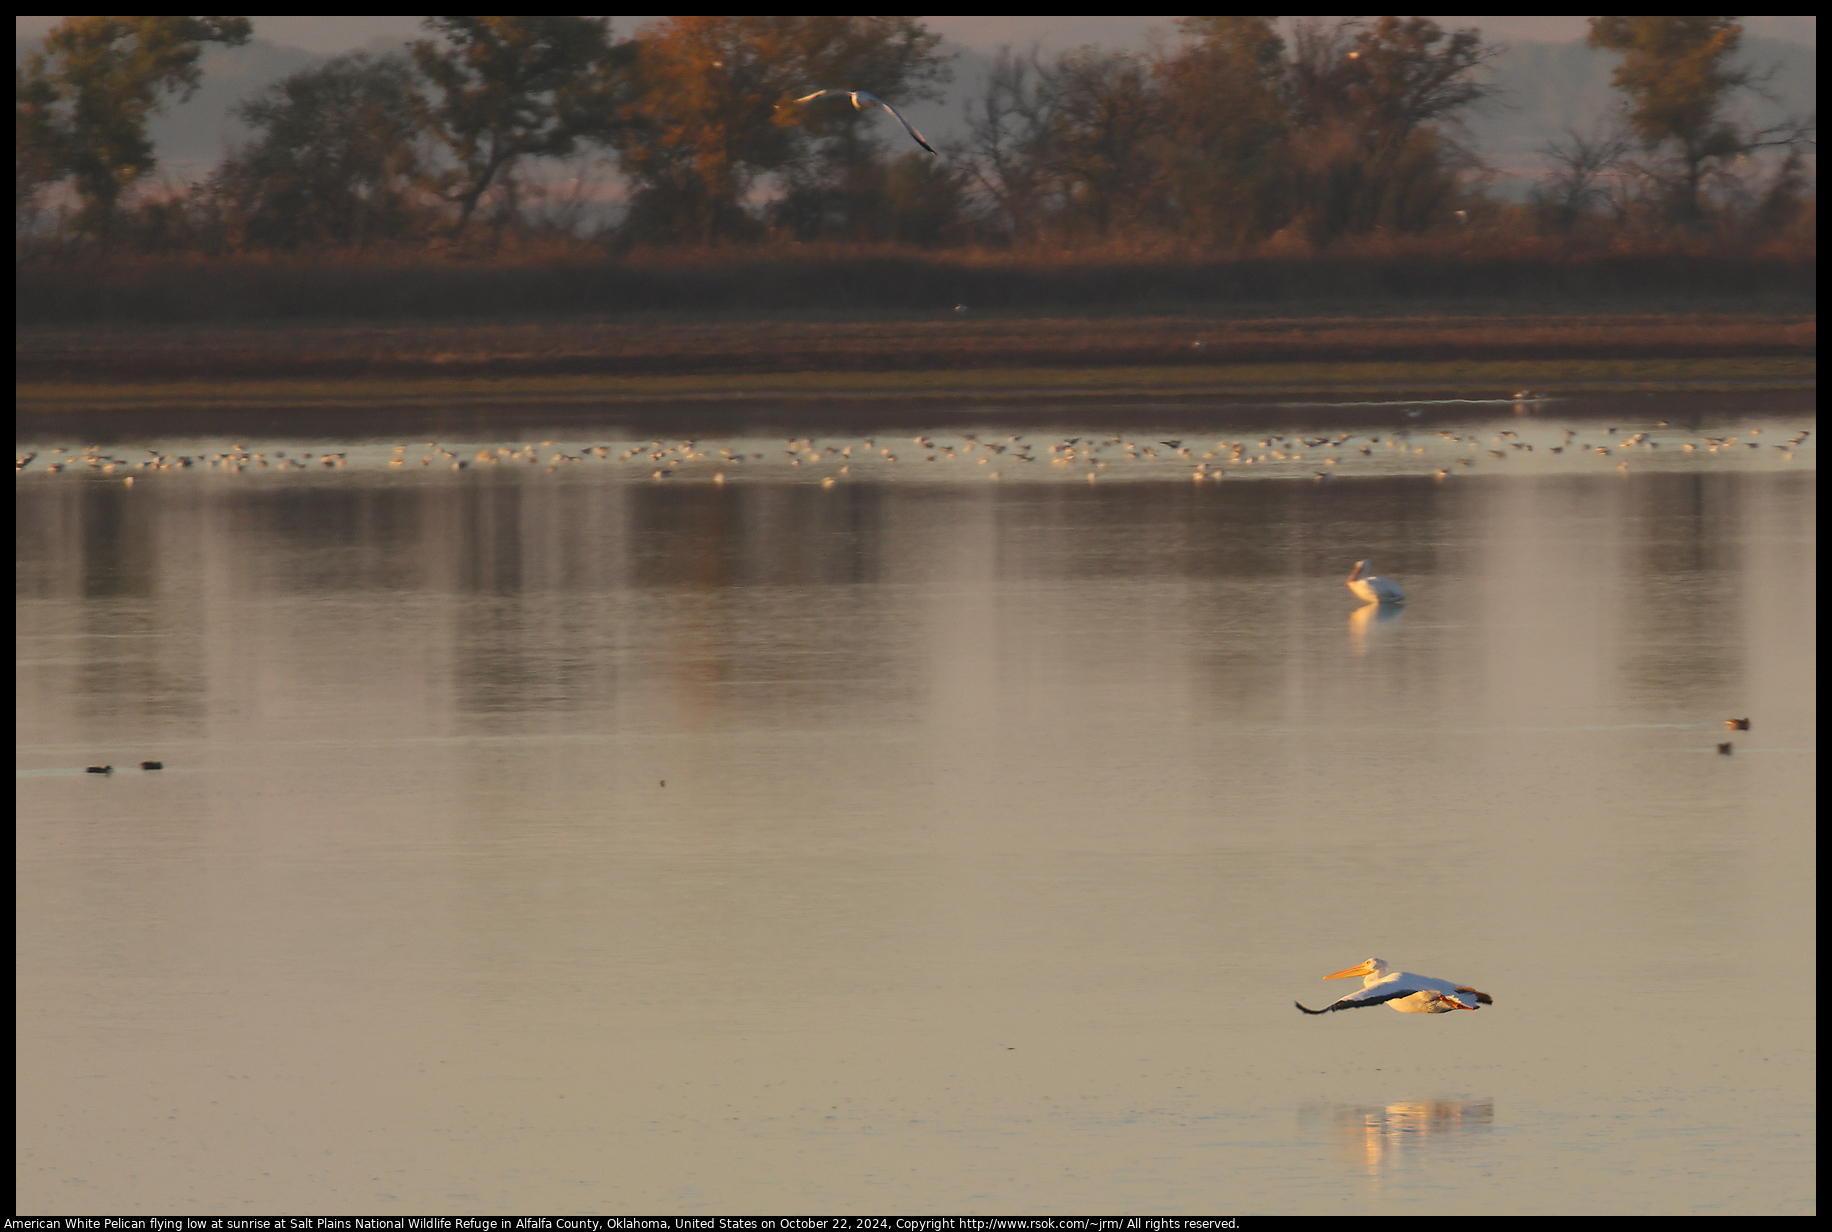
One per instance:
(336, 34)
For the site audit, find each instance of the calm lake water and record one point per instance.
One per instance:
(546, 835)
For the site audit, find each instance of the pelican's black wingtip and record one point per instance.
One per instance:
(1308, 1010)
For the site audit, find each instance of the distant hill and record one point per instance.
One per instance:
(1542, 88)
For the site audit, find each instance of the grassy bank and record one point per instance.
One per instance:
(1188, 349)
(884, 325)
(1376, 277)
(1416, 379)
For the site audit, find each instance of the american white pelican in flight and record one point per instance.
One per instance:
(1373, 589)
(1405, 992)
(861, 100)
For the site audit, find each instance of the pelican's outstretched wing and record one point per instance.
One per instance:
(862, 99)
(1367, 996)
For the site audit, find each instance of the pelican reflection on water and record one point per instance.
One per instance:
(1368, 618)
(1381, 1137)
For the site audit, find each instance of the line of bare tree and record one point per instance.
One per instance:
(1237, 135)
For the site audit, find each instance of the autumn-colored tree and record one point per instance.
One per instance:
(1579, 163)
(37, 160)
(83, 101)
(1226, 159)
(1233, 135)
(1368, 105)
(1075, 143)
(910, 199)
(1679, 76)
(335, 160)
(1107, 136)
(513, 88)
(1008, 152)
(714, 109)
(919, 200)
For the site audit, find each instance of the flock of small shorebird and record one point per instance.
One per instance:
(1381, 985)
(1094, 455)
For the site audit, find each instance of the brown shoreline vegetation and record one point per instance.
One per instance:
(831, 310)
(732, 347)
(1381, 276)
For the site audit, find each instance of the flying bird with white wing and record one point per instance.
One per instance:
(1402, 990)
(862, 100)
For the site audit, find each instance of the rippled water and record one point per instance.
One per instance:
(551, 836)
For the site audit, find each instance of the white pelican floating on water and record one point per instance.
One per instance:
(861, 100)
(1405, 992)
(1373, 589)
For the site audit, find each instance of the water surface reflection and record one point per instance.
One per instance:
(601, 844)
(1387, 1137)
